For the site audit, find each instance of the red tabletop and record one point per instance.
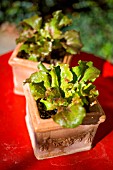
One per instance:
(15, 148)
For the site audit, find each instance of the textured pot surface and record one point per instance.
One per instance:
(50, 139)
(23, 68)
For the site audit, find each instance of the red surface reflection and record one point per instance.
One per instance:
(15, 148)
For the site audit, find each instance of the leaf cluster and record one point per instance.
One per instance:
(44, 38)
(65, 90)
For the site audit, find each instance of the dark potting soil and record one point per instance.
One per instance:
(53, 59)
(44, 114)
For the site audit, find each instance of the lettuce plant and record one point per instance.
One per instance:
(43, 40)
(64, 92)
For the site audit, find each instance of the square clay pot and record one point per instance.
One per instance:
(49, 139)
(23, 68)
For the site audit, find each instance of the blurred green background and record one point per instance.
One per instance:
(94, 19)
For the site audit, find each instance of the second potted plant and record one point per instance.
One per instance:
(43, 40)
(62, 112)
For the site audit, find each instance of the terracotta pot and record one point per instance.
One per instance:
(50, 139)
(23, 68)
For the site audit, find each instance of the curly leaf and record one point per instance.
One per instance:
(87, 89)
(42, 67)
(54, 78)
(91, 74)
(52, 94)
(44, 48)
(72, 42)
(66, 74)
(53, 30)
(54, 103)
(34, 21)
(31, 50)
(61, 19)
(48, 105)
(76, 99)
(90, 90)
(39, 77)
(24, 35)
(45, 32)
(37, 90)
(65, 21)
(58, 21)
(66, 77)
(81, 68)
(53, 99)
(70, 117)
(24, 47)
(33, 57)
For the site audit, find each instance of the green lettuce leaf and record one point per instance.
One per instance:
(39, 77)
(41, 67)
(80, 69)
(70, 117)
(34, 22)
(66, 78)
(60, 19)
(90, 74)
(48, 105)
(54, 78)
(53, 99)
(44, 48)
(72, 42)
(85, 74)
(37, 94)
(57, 22)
